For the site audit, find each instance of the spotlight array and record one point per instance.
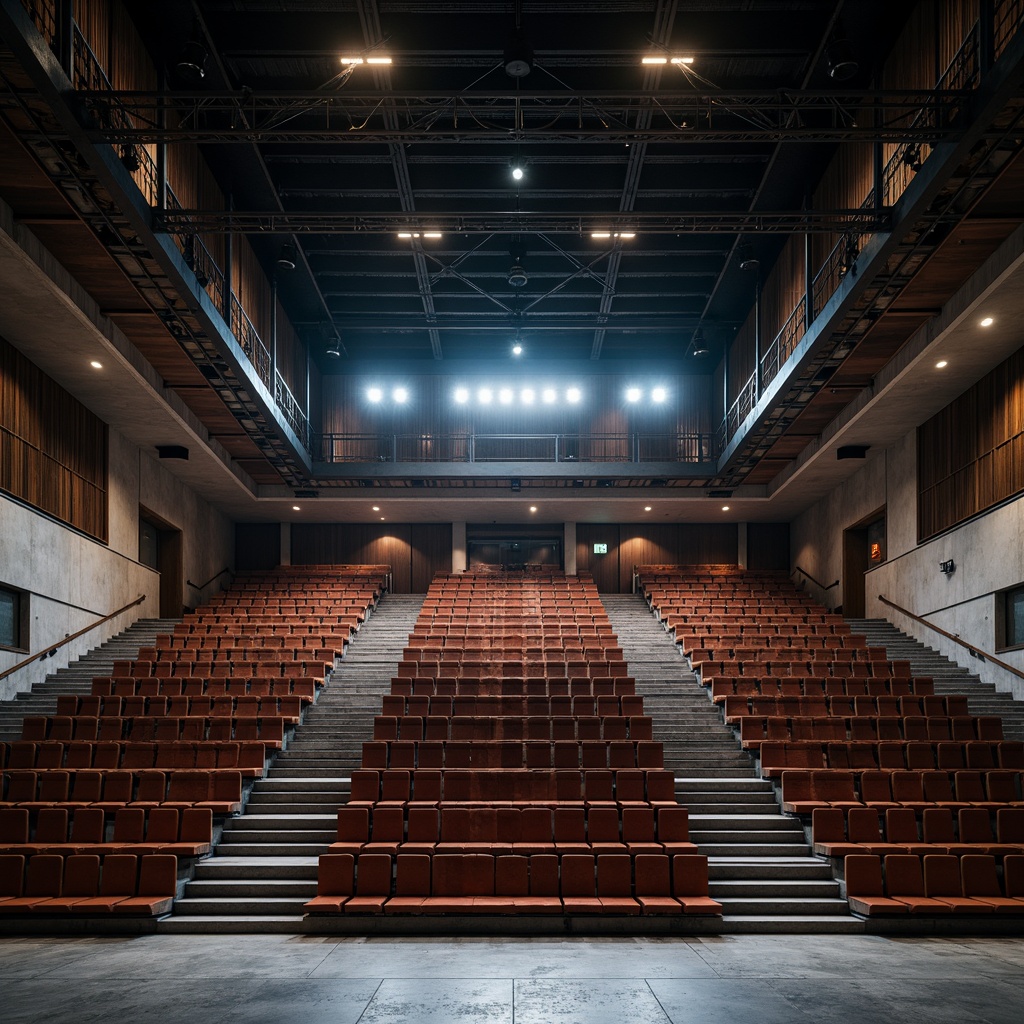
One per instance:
(375, 395)
(507, 395)
(658, 395)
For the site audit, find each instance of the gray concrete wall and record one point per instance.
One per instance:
(72, 580)
(988, 552)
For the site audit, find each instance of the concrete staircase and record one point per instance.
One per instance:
(948, 675)
(265, 866)
(78, 676)
(761, 868)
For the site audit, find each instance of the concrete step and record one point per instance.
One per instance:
(783, 905)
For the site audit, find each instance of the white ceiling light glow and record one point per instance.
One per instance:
(400, 395)
(375, 394)
(573, 396)
(633, 394)
(659, 395)
(505, 396)
(462, 395)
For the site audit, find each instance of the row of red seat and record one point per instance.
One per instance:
(750, 687)
(78, 885)
(219, 789)
(737, 708)
(565, 787)
(836, 833)
(756, 731)
(512, 728)
(803, 791)
(197, 686)
(248, 758)
(500, 706)
(506, 830)
(138, 830)
(777, 756)
(529, 686)
(541, 884)
(242, 705)
(208, 669)
(934, 885)
(269, 731)
(487, 754)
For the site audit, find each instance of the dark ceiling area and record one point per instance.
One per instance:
(684, 171)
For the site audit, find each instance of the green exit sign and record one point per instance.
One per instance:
(600, 549)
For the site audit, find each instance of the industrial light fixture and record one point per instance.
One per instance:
(505, 396)
(517, 349)
(533, 508)
(375, 394)
(517, 170)
(549, 396)
(485, 396)
(518, 56)
(462, 395)
(400, 395)
(421, 234)
(647, 508)
(612, 234)
(573, 395)
(633, 394)
(653, 59)
(658, 395)
(700, 348)
(334, 348)
(376, 508)
(191, 63)
(750, 264)
(356, 61)
(517, 276)
(527, 396)
(840, 61)
(725, 508)
(296, 508)
(286, 258)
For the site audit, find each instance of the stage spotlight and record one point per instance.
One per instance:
(633, 394)
(659, 395)
(462, 395)
(375, 394)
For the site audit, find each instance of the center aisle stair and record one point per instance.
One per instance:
(265, 867)
(760, 866)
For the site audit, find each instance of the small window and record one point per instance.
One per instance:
(13, 614)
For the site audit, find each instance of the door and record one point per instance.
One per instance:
(160, 547)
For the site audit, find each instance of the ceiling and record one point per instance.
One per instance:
(349, 157)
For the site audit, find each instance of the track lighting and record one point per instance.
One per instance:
(191, 63)
(839, 60)
(286, 258)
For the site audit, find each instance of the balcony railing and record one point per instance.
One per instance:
(542, 448)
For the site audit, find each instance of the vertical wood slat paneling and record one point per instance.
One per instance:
(257, 546)
(53, 451)
(970, 456)
(768, 546)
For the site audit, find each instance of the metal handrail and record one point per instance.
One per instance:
(203, 586)
(816, 581)
(53, 648)
(976, 651)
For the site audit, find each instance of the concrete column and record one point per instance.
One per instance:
(460, 561)
(286, 543)
(741, 545)
(569, 542)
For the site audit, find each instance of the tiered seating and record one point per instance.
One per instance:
(884, 767)
(512, 770)
(144, 763)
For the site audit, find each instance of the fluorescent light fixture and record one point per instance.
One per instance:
(378, 60)
(375, 394)
(626, 234)
(96, 364)
(355, 61)
(485, 396)
(988, 321)
(633, 394)
(352, 60)
(682, 60)
(612, 234)
(400, 395)
(462, 395)
(654, 60)
(505, 396)
(658, 395)
(527, 396)
(573, 395)
(600, 234)
(382, 519)
(407, 234)
(432, 234)
(941, 364)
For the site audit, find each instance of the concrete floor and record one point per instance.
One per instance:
(732, 979)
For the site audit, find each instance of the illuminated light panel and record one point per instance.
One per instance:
(517, 349)
(654, 60)
(682, 60)
(462, 395)
(376, 508)
(352, 60)
(533, 508)
(549, 396)
(400, 395)
(505, 396)
(485, 396)
(633, 394)
(659, 395)
(988, 321)
(647, 508)
(378, 60)
(432, 234)
(96, 364)
(612, 234)
(725, 508)
(296, 508)
(517, 173)
(375, 394)
(941, 364)
(573, 395)
(600, 234)
(527, 396)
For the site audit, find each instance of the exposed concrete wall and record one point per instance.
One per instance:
(73, 580)
(988, 552)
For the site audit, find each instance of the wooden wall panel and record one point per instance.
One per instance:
(53, 451)
(768, 546)
(970, 456)
(257, 546)
(414, 552)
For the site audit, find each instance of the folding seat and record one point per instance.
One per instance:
(13, 827)
(653, 887)
(412, 884)
(863, 829)
(974, 825)
(690, 885)
(151, 790)
(970, 790)
(828, 833)
(156, 889)
(577, 884)
(614, 884)
(43, 879)
(1011, 755)
(117, 790)
(864, 889)
(49, 755)
(908, 789)
(937, 831)
(938, 790)
(603, 835)
(875, 790)
(942, 882)
(536, 831)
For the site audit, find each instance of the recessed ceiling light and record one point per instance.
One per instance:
(533, 508)
(382, 519)
(941, 364)
(376, 508)
(988, 321)
(517, 173)
(725, 508)
(517, 349)
(295, 508)
(96, 364)
(647, 508)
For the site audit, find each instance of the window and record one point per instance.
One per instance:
(13, 619)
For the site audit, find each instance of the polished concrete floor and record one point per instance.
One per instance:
(729, 979)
